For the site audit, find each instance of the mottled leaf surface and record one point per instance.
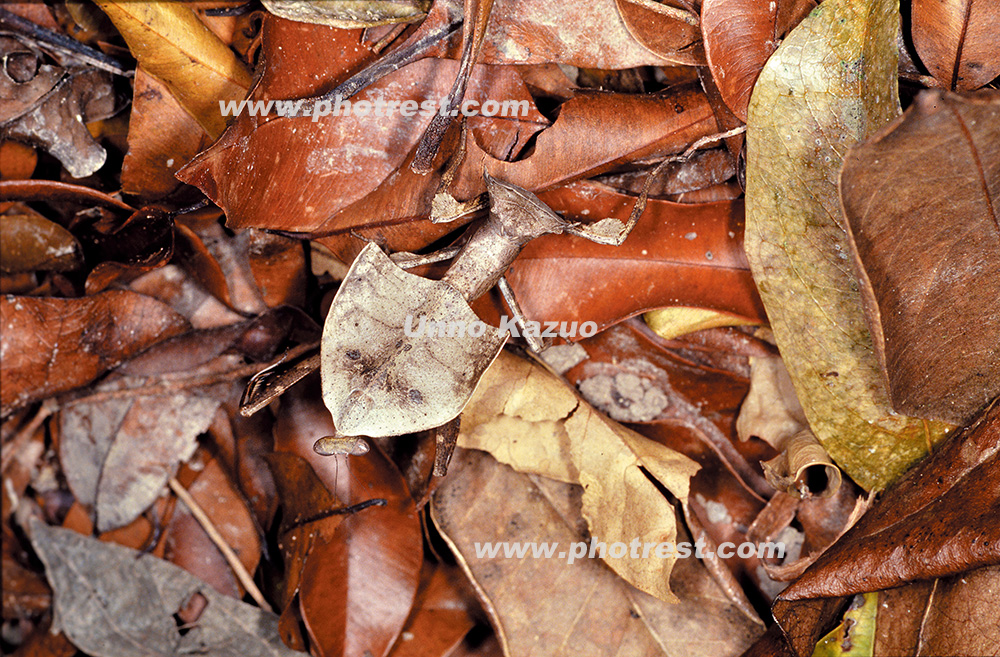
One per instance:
(830, 84)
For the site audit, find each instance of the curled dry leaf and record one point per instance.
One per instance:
(921, 204)
(173, 45)
(938, 520)
(110, 599)
(576, 606)
(831, 83)
(349, 13)
(956, 41)
(803, 467)
(670, 32)
(531, 420)
(772, 412)
(51, 106)
(634, 128)
(675, 321)
(53, 345)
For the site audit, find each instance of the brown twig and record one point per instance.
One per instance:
(234, 562)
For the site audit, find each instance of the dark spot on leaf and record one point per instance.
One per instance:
(416, 397)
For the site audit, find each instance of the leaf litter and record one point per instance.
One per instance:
(125, 355)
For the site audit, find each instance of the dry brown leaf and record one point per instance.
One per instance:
(552, 607)
(162, 138)
(531, 420)
(118, 454)
(956, 41)
(54, 345)
(349, 13)
(739, 37)
(29, 241)
(921, 200)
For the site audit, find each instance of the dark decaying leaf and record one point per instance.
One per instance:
(921, 199)
(50, 105)
(113, 601)
(53, 345)
(956, 41)
(949, 616)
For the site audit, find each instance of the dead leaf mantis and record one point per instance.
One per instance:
(379, 382)
(376, 380)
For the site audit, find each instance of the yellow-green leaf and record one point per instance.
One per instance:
(830, 84)
(171, 43)
(855, 636)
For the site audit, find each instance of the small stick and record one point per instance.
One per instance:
(227, 552)
(63, 44)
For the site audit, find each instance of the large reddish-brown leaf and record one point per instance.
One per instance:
(53, 345)
(295, 174)
(162, 138)
(939, 520)
(677, 255)
(632, 128)
(304, 532)
(922, 199)
(957, 41)
(739, 37)
(357, 590)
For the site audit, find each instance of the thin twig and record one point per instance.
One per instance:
(234, 562)
(64, 45)
(640, 203)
